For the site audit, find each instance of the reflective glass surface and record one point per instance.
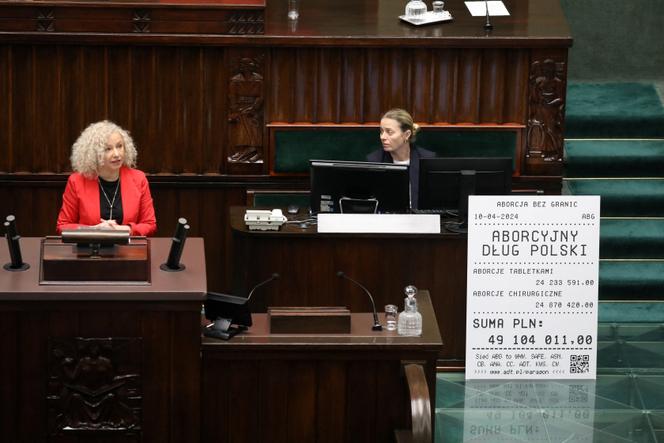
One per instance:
(624, 404)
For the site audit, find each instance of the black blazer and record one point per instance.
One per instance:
(416, 153)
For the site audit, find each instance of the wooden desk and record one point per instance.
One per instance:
(384, 263)
(314, 388)
(120, 362)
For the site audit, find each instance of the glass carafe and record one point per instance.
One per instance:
(410, 320)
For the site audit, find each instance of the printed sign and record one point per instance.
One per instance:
(532, 287)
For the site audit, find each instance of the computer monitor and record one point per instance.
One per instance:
(446, 182)
(359, 187)
(230, 313)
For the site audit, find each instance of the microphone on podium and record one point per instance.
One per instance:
(177, 245)
(376, 326)
(225, 311)
(274, 276)
(14, 246)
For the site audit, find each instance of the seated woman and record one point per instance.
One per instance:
(105, 191)
(397, 132)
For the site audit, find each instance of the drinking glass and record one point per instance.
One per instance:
(391, 314)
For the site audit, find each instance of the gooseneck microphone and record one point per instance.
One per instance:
(274, 276)
(227, 310)
(14, 246)
(376, 326)
(487, 24)
(177, 246)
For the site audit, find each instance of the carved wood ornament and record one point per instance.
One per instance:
(94, 385)
(546, 110)
(141, 20)
(45, 20)
(245, 117)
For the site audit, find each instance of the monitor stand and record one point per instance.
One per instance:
(348, 205)
(467, 185)
(221, 328)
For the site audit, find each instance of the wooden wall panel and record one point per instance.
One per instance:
(274, 420)
(43, 149)
(492, 86)
(361, 386)
(212, 120)
(172, 100)
(396, 69)
(352, 86)
(332, 414)
(143, 103)
(120, 89)
(445, 79)
(467, 93)
(306, 74)
(301, 401)
(328, 85)
(373, 102)
(307, 396)
(421, 83)
(282, 84)
(9, 370)
(243, 394)
(6, 116)
(156, 356)
(21, 99)
(469, 86)
(516, 85)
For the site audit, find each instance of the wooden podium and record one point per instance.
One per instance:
(356, 387)
(308, 263)
(97, 361)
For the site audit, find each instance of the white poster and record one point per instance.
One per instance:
(533, 265)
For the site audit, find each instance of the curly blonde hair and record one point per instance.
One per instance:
(87, 153)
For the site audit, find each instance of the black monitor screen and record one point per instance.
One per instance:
(359, 187)
(446, 183)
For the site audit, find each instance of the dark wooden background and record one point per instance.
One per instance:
(340, 63)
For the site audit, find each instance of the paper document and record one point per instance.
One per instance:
(379, 223)
(496, 8)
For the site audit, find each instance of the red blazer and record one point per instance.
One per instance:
(80, 203)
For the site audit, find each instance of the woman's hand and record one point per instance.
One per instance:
(112, 224)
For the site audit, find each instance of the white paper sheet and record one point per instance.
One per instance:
(533, 266)
(496, 8)
(379, 223)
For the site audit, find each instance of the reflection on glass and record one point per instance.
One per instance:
(624, 404)
(537, 411)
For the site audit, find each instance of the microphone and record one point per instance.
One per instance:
(274, 276)
(228, 310)
(13, 238)
(487, 24)
(177, 245)
(376, 326)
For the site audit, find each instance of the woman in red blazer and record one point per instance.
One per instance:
(105, 191)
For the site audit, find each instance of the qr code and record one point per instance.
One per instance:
(579, 364)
